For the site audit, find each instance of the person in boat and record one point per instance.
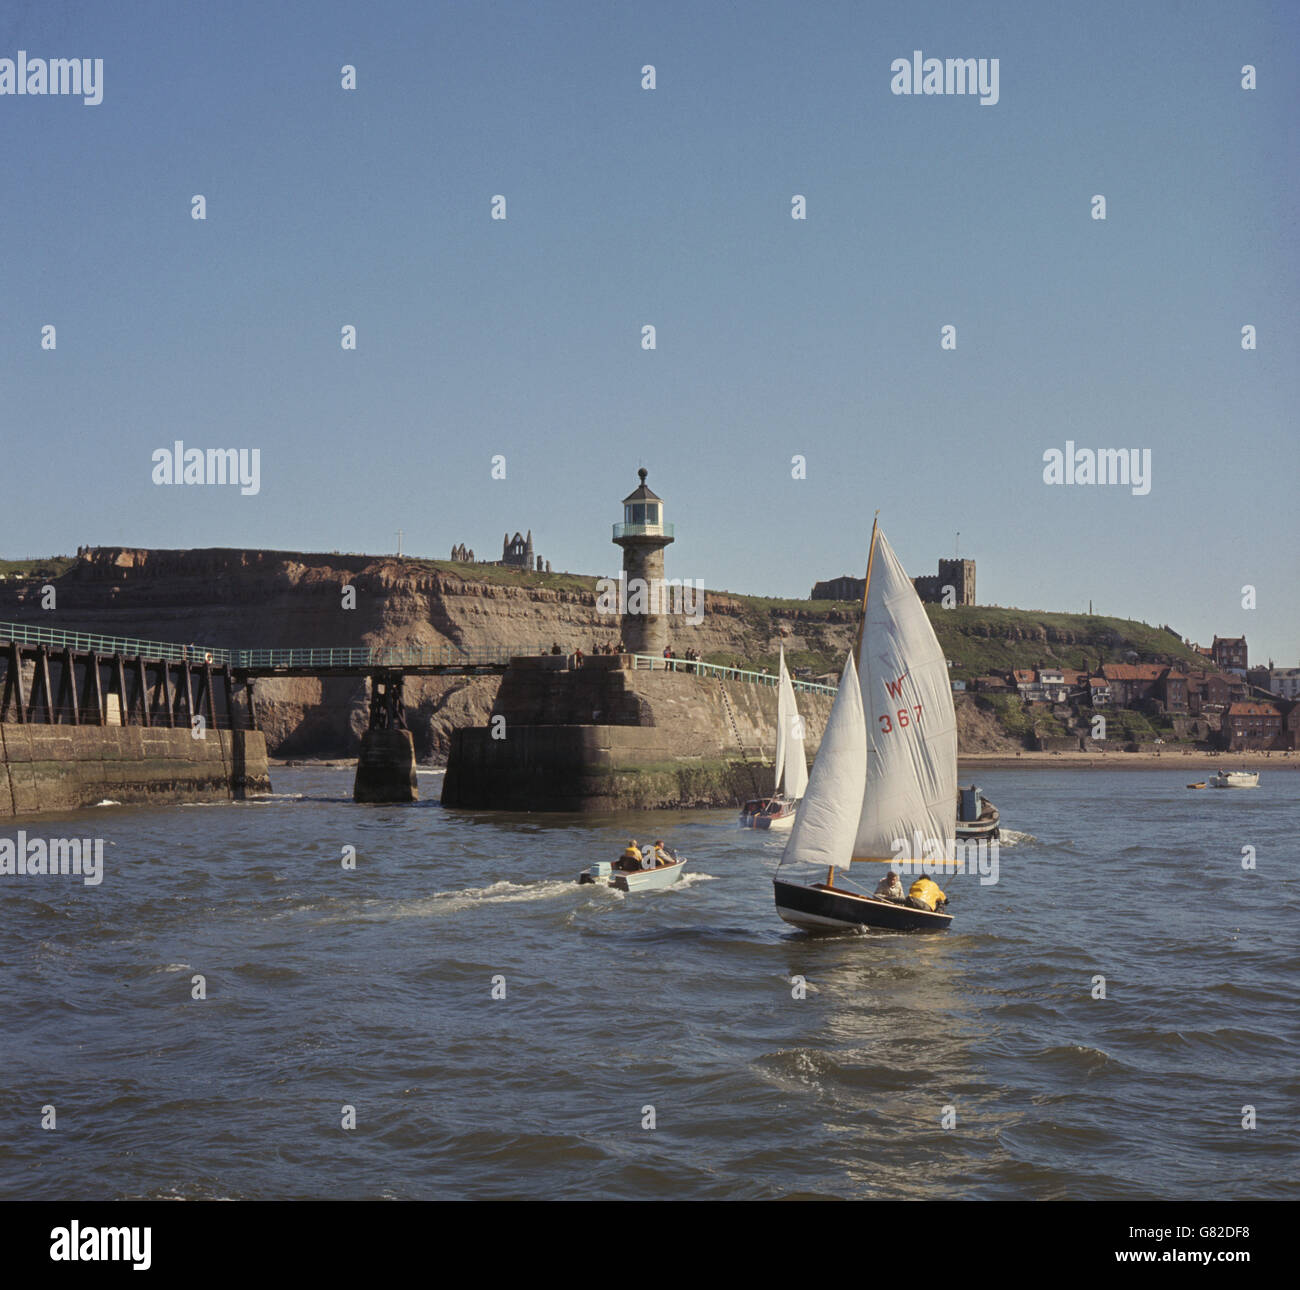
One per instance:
(631, 857)
(890, 887)
(660, 854)
(925, 894)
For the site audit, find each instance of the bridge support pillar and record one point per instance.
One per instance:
(386, 768)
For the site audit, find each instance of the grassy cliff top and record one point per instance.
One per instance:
(978, 639)
(37, 567)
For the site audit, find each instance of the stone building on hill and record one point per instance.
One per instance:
(516, 553)
(957, 574)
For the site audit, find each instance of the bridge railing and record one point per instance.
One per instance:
(698, 667)
(361, 656)
(92, 643)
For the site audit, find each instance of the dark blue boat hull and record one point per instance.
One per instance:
(818, 909)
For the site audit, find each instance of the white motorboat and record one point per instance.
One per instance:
(1236, 779)
(626, 875)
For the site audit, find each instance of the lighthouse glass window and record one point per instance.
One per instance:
(643, 513)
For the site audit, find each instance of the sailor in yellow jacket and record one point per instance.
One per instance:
(926, 890)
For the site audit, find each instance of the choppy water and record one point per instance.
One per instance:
(373, 989)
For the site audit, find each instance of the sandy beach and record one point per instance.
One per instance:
(1195, 764)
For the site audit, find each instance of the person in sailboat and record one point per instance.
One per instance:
(890, 887)
(925, 894)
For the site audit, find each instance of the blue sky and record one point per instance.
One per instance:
(671, 207)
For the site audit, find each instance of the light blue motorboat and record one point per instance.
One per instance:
(633, 877)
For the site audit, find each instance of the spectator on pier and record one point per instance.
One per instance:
(577, 658)
(555, 648)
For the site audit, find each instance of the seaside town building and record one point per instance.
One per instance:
(1228, 653)
(1209, 708)
(1252, 726)
(1283, 682)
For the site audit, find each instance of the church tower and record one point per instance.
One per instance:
(643, 536)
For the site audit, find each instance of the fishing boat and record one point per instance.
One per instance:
(883, 787)
(977, 817)
(1236, 779)
(626, 876)
(777, 811)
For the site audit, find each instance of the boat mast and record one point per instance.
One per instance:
(862, 622)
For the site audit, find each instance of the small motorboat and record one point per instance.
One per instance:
(1198, 785)
(977, 817)
(627, 875)
(768, 813)
(1236, 779)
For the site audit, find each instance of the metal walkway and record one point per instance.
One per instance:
(346, 660)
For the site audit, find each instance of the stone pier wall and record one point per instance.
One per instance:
(61, 768)
(606, 737)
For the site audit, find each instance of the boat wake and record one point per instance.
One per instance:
(453, 902)
(1014, 838)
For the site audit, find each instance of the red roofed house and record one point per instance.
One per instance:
(1229, 654)
(1253, 726)
(1132, 683)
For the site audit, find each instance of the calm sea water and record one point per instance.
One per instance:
(373, 989)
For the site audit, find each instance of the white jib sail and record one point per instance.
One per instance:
(911, 783)
(782, 729)
(827, 823)
(790, 740)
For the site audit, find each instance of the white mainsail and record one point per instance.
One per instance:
(790, 758)
(827, 822)
(911, 726)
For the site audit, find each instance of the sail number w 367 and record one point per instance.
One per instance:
(887, 722)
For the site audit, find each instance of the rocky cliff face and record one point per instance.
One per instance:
(275, 599)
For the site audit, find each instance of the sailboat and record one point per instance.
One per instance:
(884, 782)
(778, 811)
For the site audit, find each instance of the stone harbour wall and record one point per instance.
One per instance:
(47, 768)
